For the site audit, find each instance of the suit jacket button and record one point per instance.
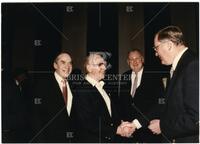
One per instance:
(109, 138)
(111, 124)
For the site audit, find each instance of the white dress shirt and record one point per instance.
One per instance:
(139, 75)
(135, 122)
(177, 58)
(99, 86)
(59, 79)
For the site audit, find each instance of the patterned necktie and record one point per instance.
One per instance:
(64, 91)
(134, 87)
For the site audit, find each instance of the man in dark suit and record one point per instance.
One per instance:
(16, 107)
(15, 113)
(95, 115)
(53, 103)
(141, 91)
(180, 119)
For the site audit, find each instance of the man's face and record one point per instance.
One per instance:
(63, 65)
(163, 51)
(135, 61)
(96, 67)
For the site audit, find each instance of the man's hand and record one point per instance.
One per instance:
(154, 126)
(126, 129)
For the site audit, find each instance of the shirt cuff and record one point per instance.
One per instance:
(137, 123)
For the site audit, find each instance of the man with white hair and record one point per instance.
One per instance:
(95, 115)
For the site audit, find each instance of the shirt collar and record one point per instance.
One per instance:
(58, 78)
(177, 58)
(94, 82)
(139, 73)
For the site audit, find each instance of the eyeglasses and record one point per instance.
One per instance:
(156, 47)
(100, 64)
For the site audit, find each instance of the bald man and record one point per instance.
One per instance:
(140, 91)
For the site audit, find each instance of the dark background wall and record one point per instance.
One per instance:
(33, 33)
(131, 31)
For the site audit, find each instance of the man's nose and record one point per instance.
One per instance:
(67, 65)
(103, 67)
(135, 62)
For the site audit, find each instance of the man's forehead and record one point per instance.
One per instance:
(135, 54)
(96, 57)
(64, 56)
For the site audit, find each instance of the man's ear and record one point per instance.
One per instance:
(170, 45)
(127, 61)
(55, 65)
(142, 58)
(89, 68)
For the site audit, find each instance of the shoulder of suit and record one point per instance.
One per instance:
(81, 84)
(193, 63)
(127, 72)
(187, 58)
(190, 54)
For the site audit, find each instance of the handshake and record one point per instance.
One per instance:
(126, 129)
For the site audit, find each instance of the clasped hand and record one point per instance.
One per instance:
(126, 129)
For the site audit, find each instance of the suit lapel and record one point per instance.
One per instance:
(71, 86)
(185, 58)
(58, 90)
(57, 96)
(102, 101)
(143, 77)
(129, 84)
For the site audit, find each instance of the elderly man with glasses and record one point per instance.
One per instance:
(95, 114)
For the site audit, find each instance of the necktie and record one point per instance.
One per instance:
(64, 91)
(164, 80)
(134, 87)
(171, 72)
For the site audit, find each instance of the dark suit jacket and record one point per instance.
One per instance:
(180, 120)
(16, 111)
(53, 124)
(146, 104)
(91, 117)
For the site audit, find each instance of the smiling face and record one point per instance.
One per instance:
(96, 67)
(135, 61)
(63, 65)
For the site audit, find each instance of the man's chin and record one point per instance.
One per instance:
(66, 75)
(102, 77)
(164, 63)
